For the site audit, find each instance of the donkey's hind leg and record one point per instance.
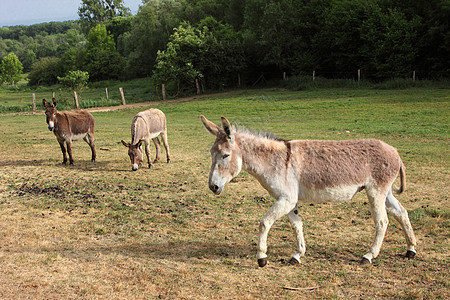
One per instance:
(89, 138)
(379, 216)
(158, 149)
(401, 215)
(166, 144)
(69, 151)
(296, 222)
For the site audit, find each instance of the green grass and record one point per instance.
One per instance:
(102, 231)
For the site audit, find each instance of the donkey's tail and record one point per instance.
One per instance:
(402, 180)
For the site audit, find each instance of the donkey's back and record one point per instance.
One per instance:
(80, 123)
(325, 164)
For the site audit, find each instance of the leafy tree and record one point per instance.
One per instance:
(11, 46)
(212, 53)
(150, 32)
(94, 12)
(10, 69)
(434, 42)
(45, 71)
(197, 10)
(222, 57)
(73, 59)
(28, 57)
(272, 34)
(103, 61)
(74, 37)
(175, 65)
(75, 80)
(119, 26)
(389, 43)
(337, 45)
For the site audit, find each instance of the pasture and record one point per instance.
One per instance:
(100, 231)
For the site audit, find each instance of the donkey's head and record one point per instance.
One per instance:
(50, 113)
(135, 154)
(225, 153)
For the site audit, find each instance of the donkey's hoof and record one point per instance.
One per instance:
(364, 262)
(293, 261)
(410, 254)
(168, 161)
(262, 262)
(155, 161)
(150, 166)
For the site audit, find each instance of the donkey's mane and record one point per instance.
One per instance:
(133, 128)
(264, 134)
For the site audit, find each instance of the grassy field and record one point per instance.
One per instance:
(20, 98)
(99, 230)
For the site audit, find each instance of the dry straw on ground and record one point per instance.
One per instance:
(100, 231)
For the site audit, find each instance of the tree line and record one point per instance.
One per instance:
(218, 43)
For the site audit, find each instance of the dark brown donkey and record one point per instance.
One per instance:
(70, 126)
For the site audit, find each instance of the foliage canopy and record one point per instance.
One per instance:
(229, 38)
(10, 69)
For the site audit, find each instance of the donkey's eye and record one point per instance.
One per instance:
(225, 156)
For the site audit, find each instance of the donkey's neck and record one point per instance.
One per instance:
(138, 129)
(261, 155)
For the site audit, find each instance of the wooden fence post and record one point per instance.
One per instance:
(314, 75)
(284, 75)
(239, 80)
(414, 75)
(163, 90)
(121, 95)
(106, 91)
(197, 85)
(359, 75)
(76, 99)
(53, 95)
(34, 103)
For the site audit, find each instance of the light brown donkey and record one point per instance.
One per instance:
(70, 126)
(146, 125)
(294, 171)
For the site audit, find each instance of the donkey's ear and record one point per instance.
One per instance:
(44, 102)
(139, 144)
(227, 128)
(210, 126)
(54, 102)
(125, 144)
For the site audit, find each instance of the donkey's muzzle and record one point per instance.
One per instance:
(215, 188)
(51, 126)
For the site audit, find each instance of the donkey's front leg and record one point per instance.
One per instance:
(279, 209)
(296, 222)
(147, 153)
(63, 150)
